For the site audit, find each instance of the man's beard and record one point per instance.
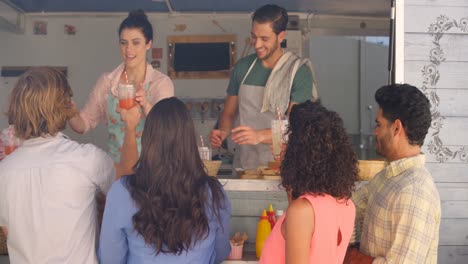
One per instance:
(272, 51)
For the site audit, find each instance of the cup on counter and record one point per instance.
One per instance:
(237, 245)
(205, 153)
(126, 94)
(278, 137)
(236, 252)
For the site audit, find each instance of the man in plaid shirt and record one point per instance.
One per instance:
(401, 204)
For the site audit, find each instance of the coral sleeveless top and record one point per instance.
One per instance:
(333, 220)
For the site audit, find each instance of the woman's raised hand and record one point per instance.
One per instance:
(140, 97)
(131, 117)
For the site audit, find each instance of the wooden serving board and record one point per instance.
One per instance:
(250, 176)
(260, 177)
(271, 177)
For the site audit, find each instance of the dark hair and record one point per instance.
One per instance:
(138, 19)
(170, 186)
(40, 103)
(319, 157)
(276, 15)
(408, 104)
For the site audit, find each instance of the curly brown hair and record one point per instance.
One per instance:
(319, 158)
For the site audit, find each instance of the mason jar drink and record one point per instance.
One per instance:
(126, 93)
(205, 153)
(278, 137)
(9, 140)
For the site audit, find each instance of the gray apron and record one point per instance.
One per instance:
(250, 103)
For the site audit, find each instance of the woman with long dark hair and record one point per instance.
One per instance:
(319, 170)
(170, 210)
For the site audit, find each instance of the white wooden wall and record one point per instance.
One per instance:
(436, 60)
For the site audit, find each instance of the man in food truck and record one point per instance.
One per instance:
(263, 86)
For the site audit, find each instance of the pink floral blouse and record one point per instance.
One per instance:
(97, 109)
(160, 87)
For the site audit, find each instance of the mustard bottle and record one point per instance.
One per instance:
(263, 230)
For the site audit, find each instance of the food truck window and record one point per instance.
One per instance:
(201, 56)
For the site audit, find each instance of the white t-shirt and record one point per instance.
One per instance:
(47, 200)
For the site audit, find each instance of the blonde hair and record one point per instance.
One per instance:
(40, 103)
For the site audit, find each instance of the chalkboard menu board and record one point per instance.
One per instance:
(201, 56)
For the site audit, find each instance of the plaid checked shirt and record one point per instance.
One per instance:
(401, 210)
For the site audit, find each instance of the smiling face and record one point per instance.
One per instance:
(265, 41)
(133, 47)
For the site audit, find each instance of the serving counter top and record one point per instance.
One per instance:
(261, 185)
(251, 185)
(231, 182)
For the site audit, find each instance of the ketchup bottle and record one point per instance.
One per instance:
(271, 216)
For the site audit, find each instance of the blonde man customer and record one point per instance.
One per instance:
(48, 185)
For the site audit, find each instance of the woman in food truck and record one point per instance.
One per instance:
(133, 81)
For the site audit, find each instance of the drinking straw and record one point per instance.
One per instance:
(278, 113)
(126, 76)
(280, 123)
(202, 142)
(279, 119)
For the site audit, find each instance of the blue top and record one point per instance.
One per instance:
(120, 243)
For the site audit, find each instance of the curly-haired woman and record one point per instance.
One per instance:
(169, 211)
(319, 170)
